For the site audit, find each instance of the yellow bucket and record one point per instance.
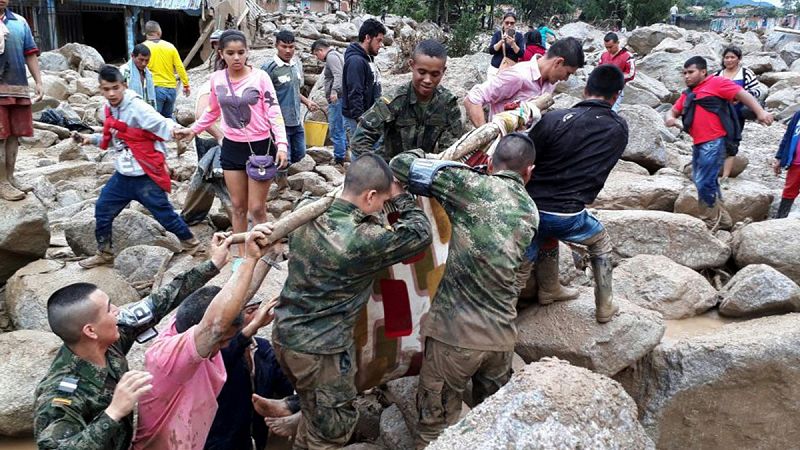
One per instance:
(316, 132)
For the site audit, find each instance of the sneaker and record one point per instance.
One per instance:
(191, 246)
(101, 258)
(10, 193)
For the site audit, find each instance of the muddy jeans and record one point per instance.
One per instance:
(445, 372)
(326, 386)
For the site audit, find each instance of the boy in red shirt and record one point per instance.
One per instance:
(704, 110)
(620, 57)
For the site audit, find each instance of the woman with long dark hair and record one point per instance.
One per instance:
(507, 44)
(252, 125)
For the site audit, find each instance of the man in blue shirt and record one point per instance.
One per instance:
(18, 50)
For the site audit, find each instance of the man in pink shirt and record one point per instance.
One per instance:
(525, 80)
(187, 368)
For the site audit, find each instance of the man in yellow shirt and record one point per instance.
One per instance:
(164, 62)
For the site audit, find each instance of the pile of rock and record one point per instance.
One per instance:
(670, 267)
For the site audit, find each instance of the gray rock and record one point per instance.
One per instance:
(790, 53)
(604, 348)
(69, 150)
(683, 239)
(394, 432)
(742, 199)
(89, 86)
(715, 390)
(670, 45)
(644, 90)
(644, 39)
(308, 30)
(403, 393)
(130, 228)
(321, 155)
(624, 190)
(24, 234)
(331, 174)
(342, 31)
(771, 78)
(749, 42)
(758, 290)
(773, 243)
(53, 61)
(551, 405)
(278, 206)
(40, 139)
(30, 287)
(646, 137)
(55, 86)
(304, 165)
(764, 62)
(80, 56)
(308, 182)
(142, 263)
(660, 284)
(782, 99)
(25, 358)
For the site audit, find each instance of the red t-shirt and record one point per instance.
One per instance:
(531, 51)
(707, 126)
(622, 60)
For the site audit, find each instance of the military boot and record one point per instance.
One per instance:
(550, 288)
(784, 208)
(603, 294)
(715, 217)
(10, 193)
(103, 257)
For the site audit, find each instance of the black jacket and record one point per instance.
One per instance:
(497, 55)
(576, 149)
(359, 85)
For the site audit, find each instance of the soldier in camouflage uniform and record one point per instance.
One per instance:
(469, 331)
(87, 398)
(333, 262)
(420, 114)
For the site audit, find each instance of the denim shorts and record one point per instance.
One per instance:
(576, 228)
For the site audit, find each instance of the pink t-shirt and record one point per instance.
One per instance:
(254, 101)
(521, 82)
(178, 412)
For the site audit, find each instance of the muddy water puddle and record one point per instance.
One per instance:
(695, 326)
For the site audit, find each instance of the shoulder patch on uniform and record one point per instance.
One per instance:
(68, 385)
(58, 401)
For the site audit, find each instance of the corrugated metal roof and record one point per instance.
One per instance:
(161, 4)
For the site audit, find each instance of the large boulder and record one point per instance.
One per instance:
(749, 42)
(644, 39)
(645, 90)
(344, 31)
(25, 358)
(56, 87)
(670, 45)
(82, 56)
(646, 137)
(771, 78)
(142, 263)
(733, 387)
(773, 243)
(550, 405)
(684, 239)
(780, 99)
(758, 290)
(742, 199)
(590, 37)
(30, 287)
(625, 190)
(791, 52)
(24, 234)
(656, 282)
(764, 62)
(604, 348)
(53, 61)
(130, 228)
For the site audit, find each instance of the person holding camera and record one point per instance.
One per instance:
(507, 46)
(88, 396)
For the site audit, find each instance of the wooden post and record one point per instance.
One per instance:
(203, 37)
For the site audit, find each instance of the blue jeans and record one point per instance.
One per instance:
(618, 103)
(336, 125)
(707, 160)
(350, 126)
(120, 191)
(296, 136)
(577, 229)
(165, 100)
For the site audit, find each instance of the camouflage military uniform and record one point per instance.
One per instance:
(71, 399)
(469, 330)
(405, 123)
(331, 268)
